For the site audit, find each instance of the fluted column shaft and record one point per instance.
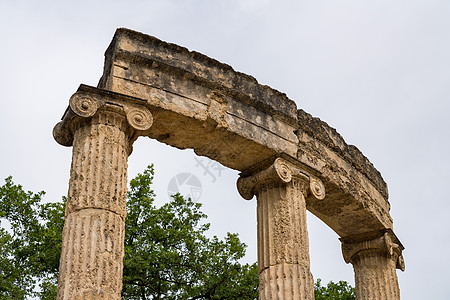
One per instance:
(101, 126)
(283, 245)
(375, 276)
(375, 262)
(93, 237)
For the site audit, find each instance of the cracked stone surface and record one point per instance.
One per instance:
(187, 100)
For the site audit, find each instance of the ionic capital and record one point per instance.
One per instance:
(88, 102)
(386, 244)
(280, 172)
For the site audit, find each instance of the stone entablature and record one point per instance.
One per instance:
(237, 112)
(357, 197)
(288, 159)
(231, 118)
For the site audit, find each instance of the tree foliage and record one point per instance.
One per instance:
(30, 249)
(167, 252)
(333, 291)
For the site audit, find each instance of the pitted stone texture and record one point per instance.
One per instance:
(196, 102)
(98, 176)
(228, 116)
(134, 44)
(283, 245)
(330, 138)
(222, 111)
(92, 254)
(286, 282)
(356, 200)
(282, 229)
(87, 101)
(375, 276)
(375, 262)
(91, 261)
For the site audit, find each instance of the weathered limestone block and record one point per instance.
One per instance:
(286, 281)
(205, 105)
(101, 131)
(357, 196)
(199, 103)
(283, 245)
(375, 262)
(98, 173)
(232, 108)
(92, 254)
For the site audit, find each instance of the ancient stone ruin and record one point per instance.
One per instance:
(288, 159)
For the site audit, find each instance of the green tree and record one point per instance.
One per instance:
(333, 291)
(30, 249)
(167, 254)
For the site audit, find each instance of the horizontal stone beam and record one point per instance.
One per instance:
(139, 66)
(202, 104)
(357, 196)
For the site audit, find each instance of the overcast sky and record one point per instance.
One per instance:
(377, 71)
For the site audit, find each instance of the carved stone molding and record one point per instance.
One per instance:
(317, 188)
(88, 101)
(84, 105)
(385, 244)
(280, 172)
(139, 118)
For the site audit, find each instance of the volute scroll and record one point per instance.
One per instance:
(84, 105)
(139, 118)
(384, 244)
(88, 101)
(281, 171)
(317, 188)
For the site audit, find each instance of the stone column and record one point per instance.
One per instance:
(283, 245)
(102, 134)
(375, 262)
